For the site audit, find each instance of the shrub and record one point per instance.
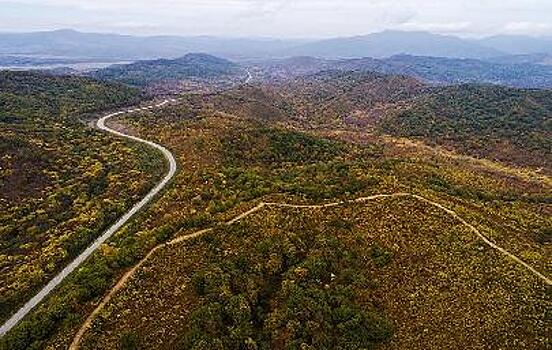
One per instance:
(380, 256)
(129, 341)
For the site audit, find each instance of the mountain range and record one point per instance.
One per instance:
(521, 73)
(73, 44)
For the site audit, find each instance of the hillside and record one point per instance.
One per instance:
(191, 66)
(400, 265)
(504, 124)
(61, 183)
(509, 125)
(306, 212)
(37, 98)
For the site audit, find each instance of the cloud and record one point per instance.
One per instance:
(437, 27)
(531, 28)
(280, 18)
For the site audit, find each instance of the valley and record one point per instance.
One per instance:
(302, 203)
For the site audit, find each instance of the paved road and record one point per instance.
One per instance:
(23, 311)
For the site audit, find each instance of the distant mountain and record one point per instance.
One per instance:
(390, 43)
(142, 73)
(71, 44)
(459, 71)
(536, 58)
(518, 44)
(74, 44)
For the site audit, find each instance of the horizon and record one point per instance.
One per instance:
(253, 37)
(282, 19)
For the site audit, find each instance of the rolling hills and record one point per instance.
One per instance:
(500, 123)
(324, 204)
(398, 263)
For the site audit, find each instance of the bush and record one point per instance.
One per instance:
(380, 256)
(129, 341)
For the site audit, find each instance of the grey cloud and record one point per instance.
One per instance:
(280, 18)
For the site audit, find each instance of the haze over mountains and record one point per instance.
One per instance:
(435, 70)
(74, 44)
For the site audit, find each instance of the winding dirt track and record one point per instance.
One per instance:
(46, 290)
(121, 283)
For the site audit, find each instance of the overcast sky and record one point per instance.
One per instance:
(280, 18)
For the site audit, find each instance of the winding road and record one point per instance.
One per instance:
(46, 290)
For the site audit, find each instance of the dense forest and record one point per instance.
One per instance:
(61, 182)
(510, 125)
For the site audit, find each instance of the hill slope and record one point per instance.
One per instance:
(509, 125)
(142, 73)
(500, 123)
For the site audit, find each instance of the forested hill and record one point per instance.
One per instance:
(142, 73)
(500, 123)
(41, 98)
(511, 125)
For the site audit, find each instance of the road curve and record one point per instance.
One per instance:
(45, 291)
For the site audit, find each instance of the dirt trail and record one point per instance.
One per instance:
(120, 284)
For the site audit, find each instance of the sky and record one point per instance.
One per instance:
(280, 18)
